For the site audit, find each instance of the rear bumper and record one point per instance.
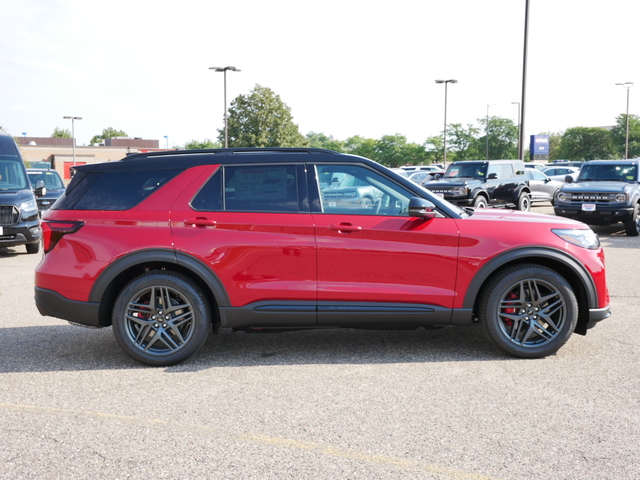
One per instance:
(52, 304)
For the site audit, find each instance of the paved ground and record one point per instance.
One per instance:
(320, 405)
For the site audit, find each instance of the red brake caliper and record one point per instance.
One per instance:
(510, 310)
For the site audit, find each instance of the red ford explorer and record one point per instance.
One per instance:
(166, 247)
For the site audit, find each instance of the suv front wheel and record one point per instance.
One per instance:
(161, 318)
(528, 311)
(632, 227)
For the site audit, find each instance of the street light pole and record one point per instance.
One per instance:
(224, 70)
(444, 138)
(524, 81)
(626, 85)
(518, 103)
(487, 129)
(73, 135)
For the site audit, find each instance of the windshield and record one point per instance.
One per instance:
(467, 170)
(51, 179)
(613, 173)
(12, 176)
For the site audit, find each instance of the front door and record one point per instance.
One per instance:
(375, 259)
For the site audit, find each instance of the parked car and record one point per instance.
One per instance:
(167, 246)
(606, 192)
(542, 187)
(54, 187)
(561, 173)
(481, 184)
(536, 166)
(422, 176)
(427, 168)
(400, 171)
(19, 220)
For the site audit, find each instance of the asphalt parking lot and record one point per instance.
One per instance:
(323, 404)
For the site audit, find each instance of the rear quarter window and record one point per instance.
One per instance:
(121, 190)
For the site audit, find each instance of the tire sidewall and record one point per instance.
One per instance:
(480, 202)
(493, 293)
(524, 202)
(187, 288)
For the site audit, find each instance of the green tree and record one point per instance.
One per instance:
(206, 144)
(108, 133)
(463, 143)
(587, 143)
(61, 133)
(261, 119)
(357, 145)
(503, 138)
(619, 135)
(320, 140)
(434, 150)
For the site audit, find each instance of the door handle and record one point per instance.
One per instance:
(345, 228)
(200, 222)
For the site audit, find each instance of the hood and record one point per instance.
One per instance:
(512, 216)
(610, 187)
(15, 197)
(450, 182)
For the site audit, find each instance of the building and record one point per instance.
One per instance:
(58, 152)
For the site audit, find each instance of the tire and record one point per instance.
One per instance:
(33, 247)
(153, 334)
(480, 202)
(529, 311)
(524, 202)
(632, 227)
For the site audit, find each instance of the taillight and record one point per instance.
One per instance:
(54, 230)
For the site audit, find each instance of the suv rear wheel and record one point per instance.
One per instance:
(161, 318)
(528, 311)
(524, 202)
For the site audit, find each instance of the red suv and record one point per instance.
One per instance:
(168, 246)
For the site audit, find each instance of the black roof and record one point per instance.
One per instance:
(191, 158)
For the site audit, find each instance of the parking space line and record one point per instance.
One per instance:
(349, 454)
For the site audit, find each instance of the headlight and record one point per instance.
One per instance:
(29, 206)
(621, 198)
(581, 238)
(562, 197)
(460, 191)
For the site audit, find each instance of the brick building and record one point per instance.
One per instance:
(58, 152)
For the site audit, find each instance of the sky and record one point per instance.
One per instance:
(343, 67)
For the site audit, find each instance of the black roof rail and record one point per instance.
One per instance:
(230, 151)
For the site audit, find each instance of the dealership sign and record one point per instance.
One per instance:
(539, 145)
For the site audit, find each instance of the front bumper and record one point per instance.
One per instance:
(603, 215)
(22, 234)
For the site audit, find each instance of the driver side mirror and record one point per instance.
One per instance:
(422, 208)
(492, 176)
(568, 179)
(40, 190)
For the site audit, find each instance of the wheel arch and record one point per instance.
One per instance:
(571, 269)
(113, 279)
(518, 191)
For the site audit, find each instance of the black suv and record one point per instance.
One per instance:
(19, 220)
(481, 184)
(606, 192)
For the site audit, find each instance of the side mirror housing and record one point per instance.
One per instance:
(40, 190)
(422, 208)
(492, 176)
(568, 179)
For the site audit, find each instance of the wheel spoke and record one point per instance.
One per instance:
(531, 313)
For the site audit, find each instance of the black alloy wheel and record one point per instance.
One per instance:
(161, 318)
(529, 311)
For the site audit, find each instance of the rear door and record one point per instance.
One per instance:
(250, 225)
